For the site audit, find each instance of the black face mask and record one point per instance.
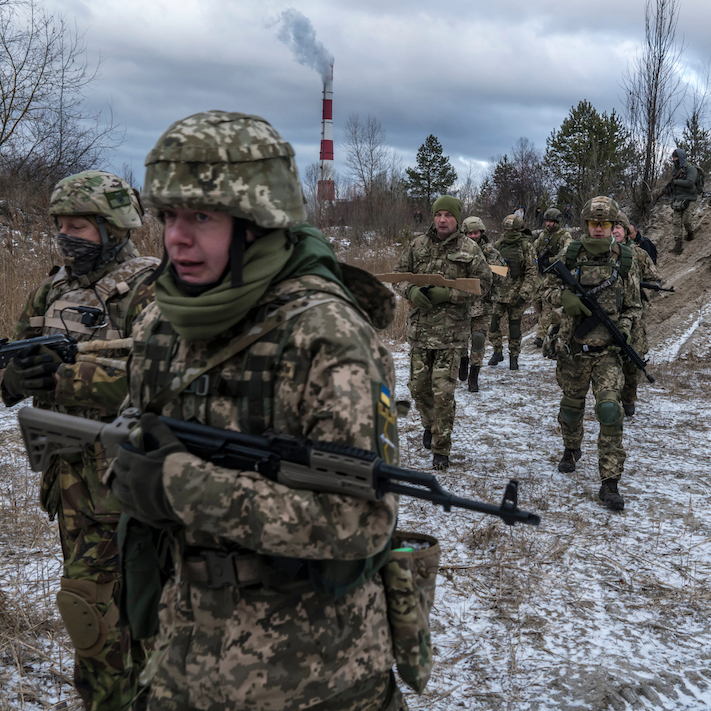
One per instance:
(81, 256)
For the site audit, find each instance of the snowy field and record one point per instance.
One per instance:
(592, 610)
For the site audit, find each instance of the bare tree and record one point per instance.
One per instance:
(367, 152)
(654, 91)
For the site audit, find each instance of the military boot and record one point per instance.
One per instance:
(689, 236)
(629, 408)
(463, 368)
(610, 496)
(427, 439)
(440, 462)
(474, 379)
(513, 362)
(567, 464)
(496, 358)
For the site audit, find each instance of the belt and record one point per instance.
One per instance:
(220, 569)
(582, 348)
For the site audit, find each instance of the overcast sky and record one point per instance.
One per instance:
(477, 74)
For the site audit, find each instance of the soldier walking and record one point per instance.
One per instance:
(683, 193)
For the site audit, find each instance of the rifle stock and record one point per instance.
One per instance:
(294, 462)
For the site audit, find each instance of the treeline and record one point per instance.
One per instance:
(624, 155)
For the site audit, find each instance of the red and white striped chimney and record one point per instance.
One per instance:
(326, 187)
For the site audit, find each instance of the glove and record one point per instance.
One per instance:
(33, 373)
(628, 339)
(418, 297)
(438, 294)
(572, 305)
(138, 475)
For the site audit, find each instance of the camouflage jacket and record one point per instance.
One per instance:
(482, 305)
(550, 245)
(621, 299)
(648, 271)
(325, 375)
(87, 389)
(446, 325)
(518, 290)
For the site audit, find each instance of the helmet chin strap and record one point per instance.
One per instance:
(238, 245)
(108, 252)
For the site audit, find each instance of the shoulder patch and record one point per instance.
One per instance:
(385, 423)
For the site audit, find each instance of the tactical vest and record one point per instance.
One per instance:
(110, 296)
(512, 253)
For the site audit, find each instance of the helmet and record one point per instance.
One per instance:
(472, 224)
(95, 192)
(512, 223)
(553, 214)
(600, 208)
(624, 221)
(226, 162)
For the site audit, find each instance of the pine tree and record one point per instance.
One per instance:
(433, 175)
(696, 141)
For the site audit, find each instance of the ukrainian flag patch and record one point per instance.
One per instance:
(386, 442)
(385, 396)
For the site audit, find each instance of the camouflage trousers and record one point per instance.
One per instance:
(514, 313)
(479, 327)
(681, 226)
(547, 315)
(604, 372)
(106, 673)
(433, 378)
(629, 369)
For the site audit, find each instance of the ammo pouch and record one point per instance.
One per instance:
(409, 578)
(144, 571)
(87, 627)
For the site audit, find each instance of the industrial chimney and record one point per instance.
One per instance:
(326, 187)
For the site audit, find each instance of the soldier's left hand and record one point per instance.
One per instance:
(37, 368)
(138, 474)
(438, 295)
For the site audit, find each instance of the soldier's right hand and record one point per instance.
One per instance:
(572, 305)
(419, 299)
(13, 380)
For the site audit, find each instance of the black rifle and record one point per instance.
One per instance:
(598, 316)
(654, 287)
(295, 462)
(64, 346)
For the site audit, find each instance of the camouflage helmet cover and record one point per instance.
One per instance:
(225, 162)
(96, 192)
(600, 208)
(624, 221)
(512, 223)
(553, 214)
(472, 224)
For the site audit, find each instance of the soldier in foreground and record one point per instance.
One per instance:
(438, 320)
(548, 247)
(480, 312)
(516, 291)
(683, 193)
(648, 272)
(591, 358)
(96, 295)
(275, 601)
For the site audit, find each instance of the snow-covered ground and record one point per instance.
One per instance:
(591, 610)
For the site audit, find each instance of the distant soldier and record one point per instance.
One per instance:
(516, 291)
(644, 242)
(568, 216)
(588, 357)
(648, 273)
(473, 227)
(549, 246)
(438, 320)
(683, 193)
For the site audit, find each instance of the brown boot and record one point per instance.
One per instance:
(474, 379)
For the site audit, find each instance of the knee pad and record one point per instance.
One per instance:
(515, 329)
(608, 410)
(571, 410)
(87, 627)
(478, 341)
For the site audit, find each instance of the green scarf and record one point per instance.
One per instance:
(270, 259)
(597, 247)
(511, 237)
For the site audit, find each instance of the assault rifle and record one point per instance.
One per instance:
(598, 316)
(294, 462)
(654, 287)
(64, 346)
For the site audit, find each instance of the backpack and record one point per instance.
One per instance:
(512, 254)
(700, 178)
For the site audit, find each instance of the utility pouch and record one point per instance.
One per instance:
(142, 552)
(50, 490)
(409, 578)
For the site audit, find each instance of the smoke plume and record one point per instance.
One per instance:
(297, 32)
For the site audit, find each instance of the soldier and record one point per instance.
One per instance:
(648, 272)
(438, 320)
(96, 295)
(683, 193)
(516, 291)
(644, 242)
(601, 264)
(275, 602)
(480, 313)
(548, 247)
